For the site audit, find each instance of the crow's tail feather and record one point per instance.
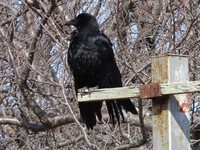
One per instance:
(115, 109)
(88, 111)
(127, 105)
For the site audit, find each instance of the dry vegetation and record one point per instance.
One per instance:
(37, 100)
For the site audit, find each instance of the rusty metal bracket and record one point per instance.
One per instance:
(150, 90)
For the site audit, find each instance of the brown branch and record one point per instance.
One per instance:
(136, 144)
(66, 143)
(14, 16)
(27, 92)
(33, 3)
(98, 7)
(183, 37)
(10, 121)
(65, 119)
(143, 130)
(39, 127)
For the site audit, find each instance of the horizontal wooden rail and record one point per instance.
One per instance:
(134, 92)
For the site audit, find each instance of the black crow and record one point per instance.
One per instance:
(91, 60)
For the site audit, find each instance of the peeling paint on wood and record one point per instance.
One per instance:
(170, 115)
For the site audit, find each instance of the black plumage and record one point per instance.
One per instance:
(91, 60)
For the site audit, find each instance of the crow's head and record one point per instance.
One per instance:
(83, 21)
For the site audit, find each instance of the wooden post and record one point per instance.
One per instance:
(171, 125)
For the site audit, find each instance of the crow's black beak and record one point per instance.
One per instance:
(71, 22)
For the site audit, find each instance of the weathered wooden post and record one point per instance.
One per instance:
(171, 125)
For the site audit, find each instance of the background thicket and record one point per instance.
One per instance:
(37, 100)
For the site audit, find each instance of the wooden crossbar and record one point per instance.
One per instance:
(134, 92)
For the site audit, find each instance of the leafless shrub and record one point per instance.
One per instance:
(37, 100)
